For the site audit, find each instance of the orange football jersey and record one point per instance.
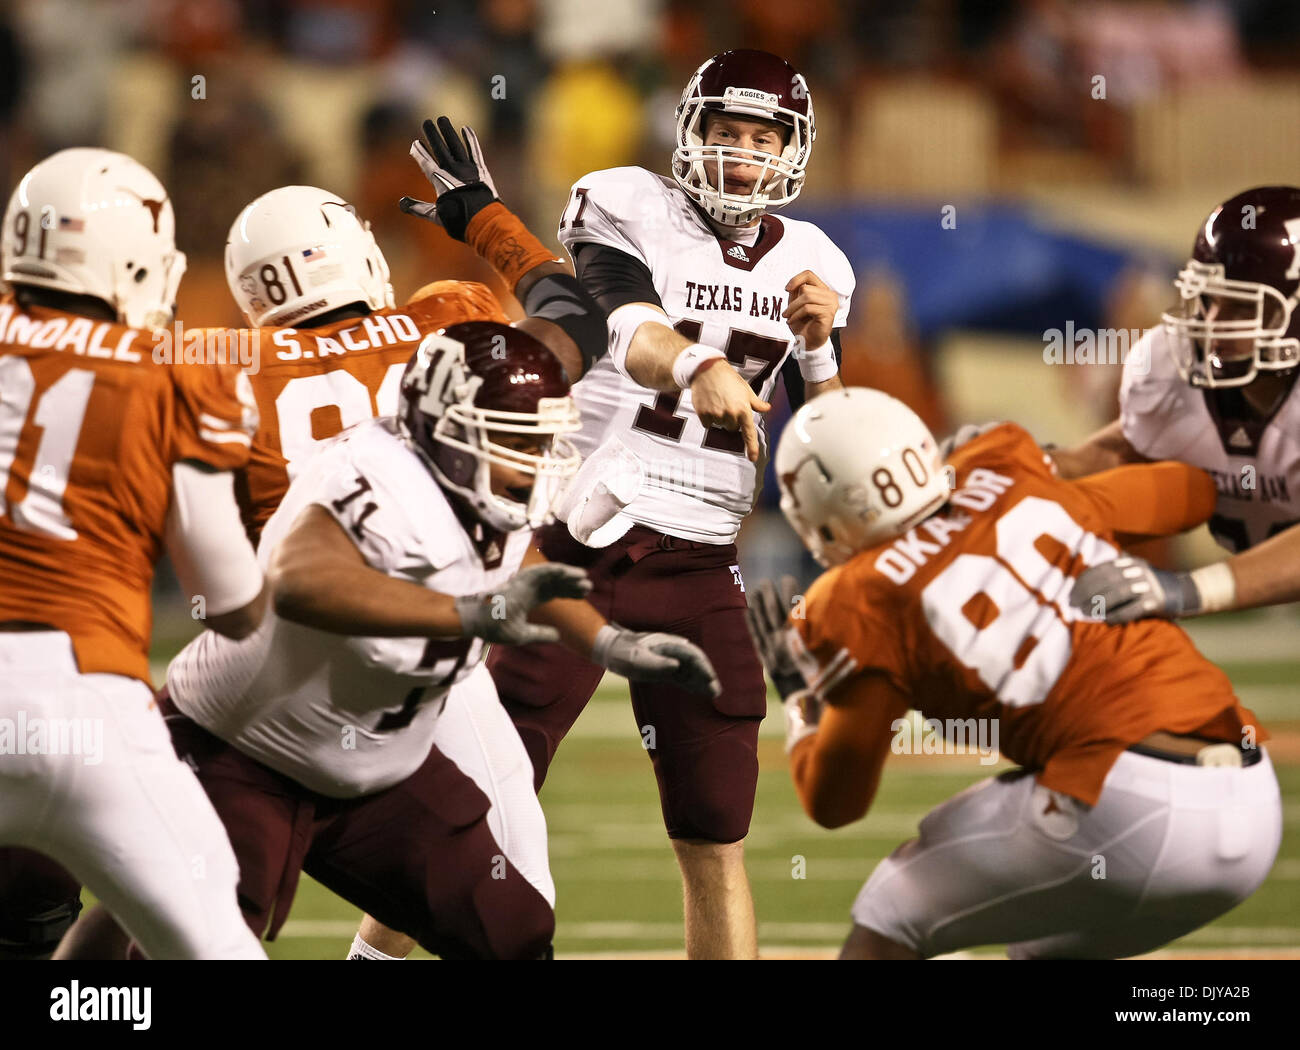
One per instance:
(90, 428)
(313, 383)
(968, 615)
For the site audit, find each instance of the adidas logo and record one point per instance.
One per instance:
(737, 251)
(1239, 439)
(493, 552)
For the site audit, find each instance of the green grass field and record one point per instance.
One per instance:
(617, 884)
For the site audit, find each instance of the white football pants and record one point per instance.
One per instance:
(88, 777)
(475, 732)
(1166, 849)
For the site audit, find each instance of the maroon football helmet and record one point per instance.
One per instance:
(751, 84)
(468, 385)
(1237, 312)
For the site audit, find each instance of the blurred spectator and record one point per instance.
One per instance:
(338, 32)
(577, 30)
(12, 77)
(73, 47)
(881, 349)
(225, 152)
(587, 118)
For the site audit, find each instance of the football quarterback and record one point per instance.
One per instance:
(1215, 386)
(709, 296)
(1144, 807)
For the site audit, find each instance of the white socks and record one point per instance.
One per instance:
(361, 950)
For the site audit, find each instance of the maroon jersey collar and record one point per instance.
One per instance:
(1240, 427)
(744, 256)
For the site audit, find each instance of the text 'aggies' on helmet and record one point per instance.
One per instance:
(1237, 312)
(754, 85)
(481, 394)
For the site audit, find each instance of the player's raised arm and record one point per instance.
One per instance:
(560, 313)
(645, 347)
(1104, 450)
(811, 315)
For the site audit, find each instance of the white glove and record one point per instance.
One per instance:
(502, 616)
(966, 433)
(655, 657)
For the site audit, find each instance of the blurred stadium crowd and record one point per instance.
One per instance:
(1083, 140)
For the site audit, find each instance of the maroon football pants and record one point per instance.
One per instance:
(704, 752)
(417, 856)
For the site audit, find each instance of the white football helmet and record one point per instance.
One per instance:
(856, 468)
(754, 85)
(94, 222)
(300, 251)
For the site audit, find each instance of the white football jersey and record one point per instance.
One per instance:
(1255, 463)
(348, 716)
(698, 485)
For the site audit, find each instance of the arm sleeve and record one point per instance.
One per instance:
(795, 391)
(206, 542)
(613, 277)
(215, 416)
(849, 626)
(836, 772)
(1156, 499)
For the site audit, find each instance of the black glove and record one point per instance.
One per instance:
(766, 613)
(459, 176)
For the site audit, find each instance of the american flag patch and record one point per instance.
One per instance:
(312, 254)
(71, 225)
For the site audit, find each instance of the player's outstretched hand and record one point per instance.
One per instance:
(722, 398)
(502, 616)
(458, 174)
(967, 432)
(1129, 589)
(769, 606)
(655, 657)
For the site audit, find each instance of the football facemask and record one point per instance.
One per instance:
(1212, 351)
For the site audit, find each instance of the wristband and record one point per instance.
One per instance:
(691, 360)
(1215, 586)
(817, 366)
(501, 237)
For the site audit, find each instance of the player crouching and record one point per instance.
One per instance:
(393, 558)
(1145, 807)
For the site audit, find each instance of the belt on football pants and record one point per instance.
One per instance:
(666, 542)
(1193, 751)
